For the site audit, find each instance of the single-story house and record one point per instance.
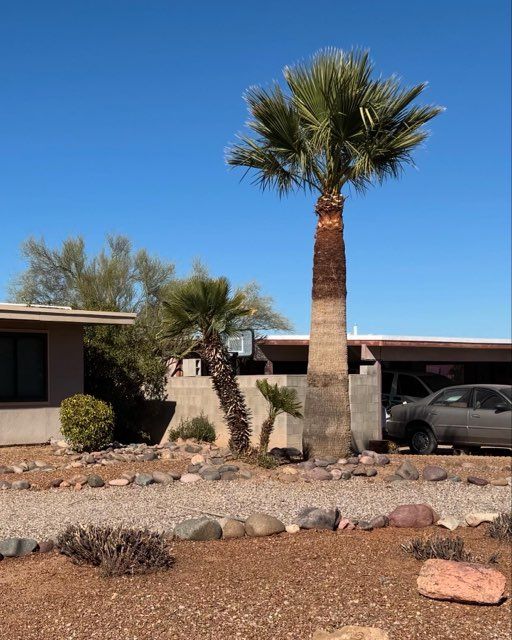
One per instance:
(41, 363)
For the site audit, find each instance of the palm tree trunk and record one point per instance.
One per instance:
(231, 399)
(266, 429)
(327, 405)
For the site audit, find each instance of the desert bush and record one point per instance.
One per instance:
(199, 428)
(115, 550)
(86, 422)
(501, 528)
(266, 461)
(439, 547)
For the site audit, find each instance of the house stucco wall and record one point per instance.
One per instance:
(36, 422)
(192, 395)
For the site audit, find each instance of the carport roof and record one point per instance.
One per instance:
(42, 313)
(373, 340)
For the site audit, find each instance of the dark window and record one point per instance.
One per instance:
(387, 381)
(487, 399)
(454, 398)
(23, 367)
(410, 386)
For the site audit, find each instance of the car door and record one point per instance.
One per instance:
(488, 425)
(448, 415)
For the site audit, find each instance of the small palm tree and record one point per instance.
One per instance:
(279, 400)
(333, 125)
(198, 314)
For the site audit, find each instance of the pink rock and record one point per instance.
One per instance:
(461, 582)
(412, 515)
(345, 524)
(188, 478)
(118, 482)
(367, 460)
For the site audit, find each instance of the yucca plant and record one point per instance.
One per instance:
(279, 400)
(333, 125)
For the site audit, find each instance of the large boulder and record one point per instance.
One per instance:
(432, 473)
(198, 529)
(261, 524)
(461, 582)
(413, 516)
(17, 547)
(318, 473)
(407, 471)
(313, 518)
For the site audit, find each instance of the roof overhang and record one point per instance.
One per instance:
(371, 340)
(39, 313)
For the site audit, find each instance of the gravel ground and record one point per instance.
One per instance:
(44, 514)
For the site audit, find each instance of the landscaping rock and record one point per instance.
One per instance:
(325, 462)
(336, 474)
(364, 525)
(346, 475)
(189, 478)
(313, 518)
(353, 460)
(46, 546)
(194, 468)
(193, 448)
(393, 478)
(407, 471)
(261, 524)
(233, 529)
(352, 633)
(119, 482)
(379, 522)
(434, 474)
(461, 582)
(292, 528)
(150, 455)
(245, 474)
(412, 515)
(381, 459)
(209, 473)
(128, 476)
(160, 477)
(449, 522)
(143, 479)
(346, 524)
(500, 482)
(20, 484)
(318, 473)
(474, 519)
(197, 459)
(4, 484)
(367, 459)
(227, 476)
(370, 473)
(95, 481)
(359, 471)
(481, 482)
(198, 529)
(17, 547)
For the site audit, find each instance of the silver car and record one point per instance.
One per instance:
(464, 416)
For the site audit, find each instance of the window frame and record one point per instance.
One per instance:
(32, 400)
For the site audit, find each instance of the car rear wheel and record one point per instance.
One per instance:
(422, 441)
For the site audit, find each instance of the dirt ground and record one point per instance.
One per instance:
(278, 588)
(486, 466)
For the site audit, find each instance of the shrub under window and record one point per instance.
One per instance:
(86, 422)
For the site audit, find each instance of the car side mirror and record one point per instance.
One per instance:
(502, 406)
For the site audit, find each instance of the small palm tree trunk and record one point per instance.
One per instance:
(327, 404)
(266, 430)
(231, 399)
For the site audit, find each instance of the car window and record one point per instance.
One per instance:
(487, 399)
(507, 393)
(387, 380)
(455, 398)
(410, 386)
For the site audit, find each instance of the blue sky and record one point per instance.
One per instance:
(115, 114)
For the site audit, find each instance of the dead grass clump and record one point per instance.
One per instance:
(439, 547)
(501, 528)
(115, 550)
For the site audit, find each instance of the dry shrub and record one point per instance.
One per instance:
(439, 547)
(115, 550)
(501, 528)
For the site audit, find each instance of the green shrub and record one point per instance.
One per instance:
(86, 422)
(116, 551)
(199, 428)
(266, 461)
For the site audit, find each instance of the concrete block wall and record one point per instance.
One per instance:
(192, 395)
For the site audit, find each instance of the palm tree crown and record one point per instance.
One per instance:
(280, 399)
(333, 124)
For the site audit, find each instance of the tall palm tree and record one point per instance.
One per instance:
(333, 125)
(279, 400)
